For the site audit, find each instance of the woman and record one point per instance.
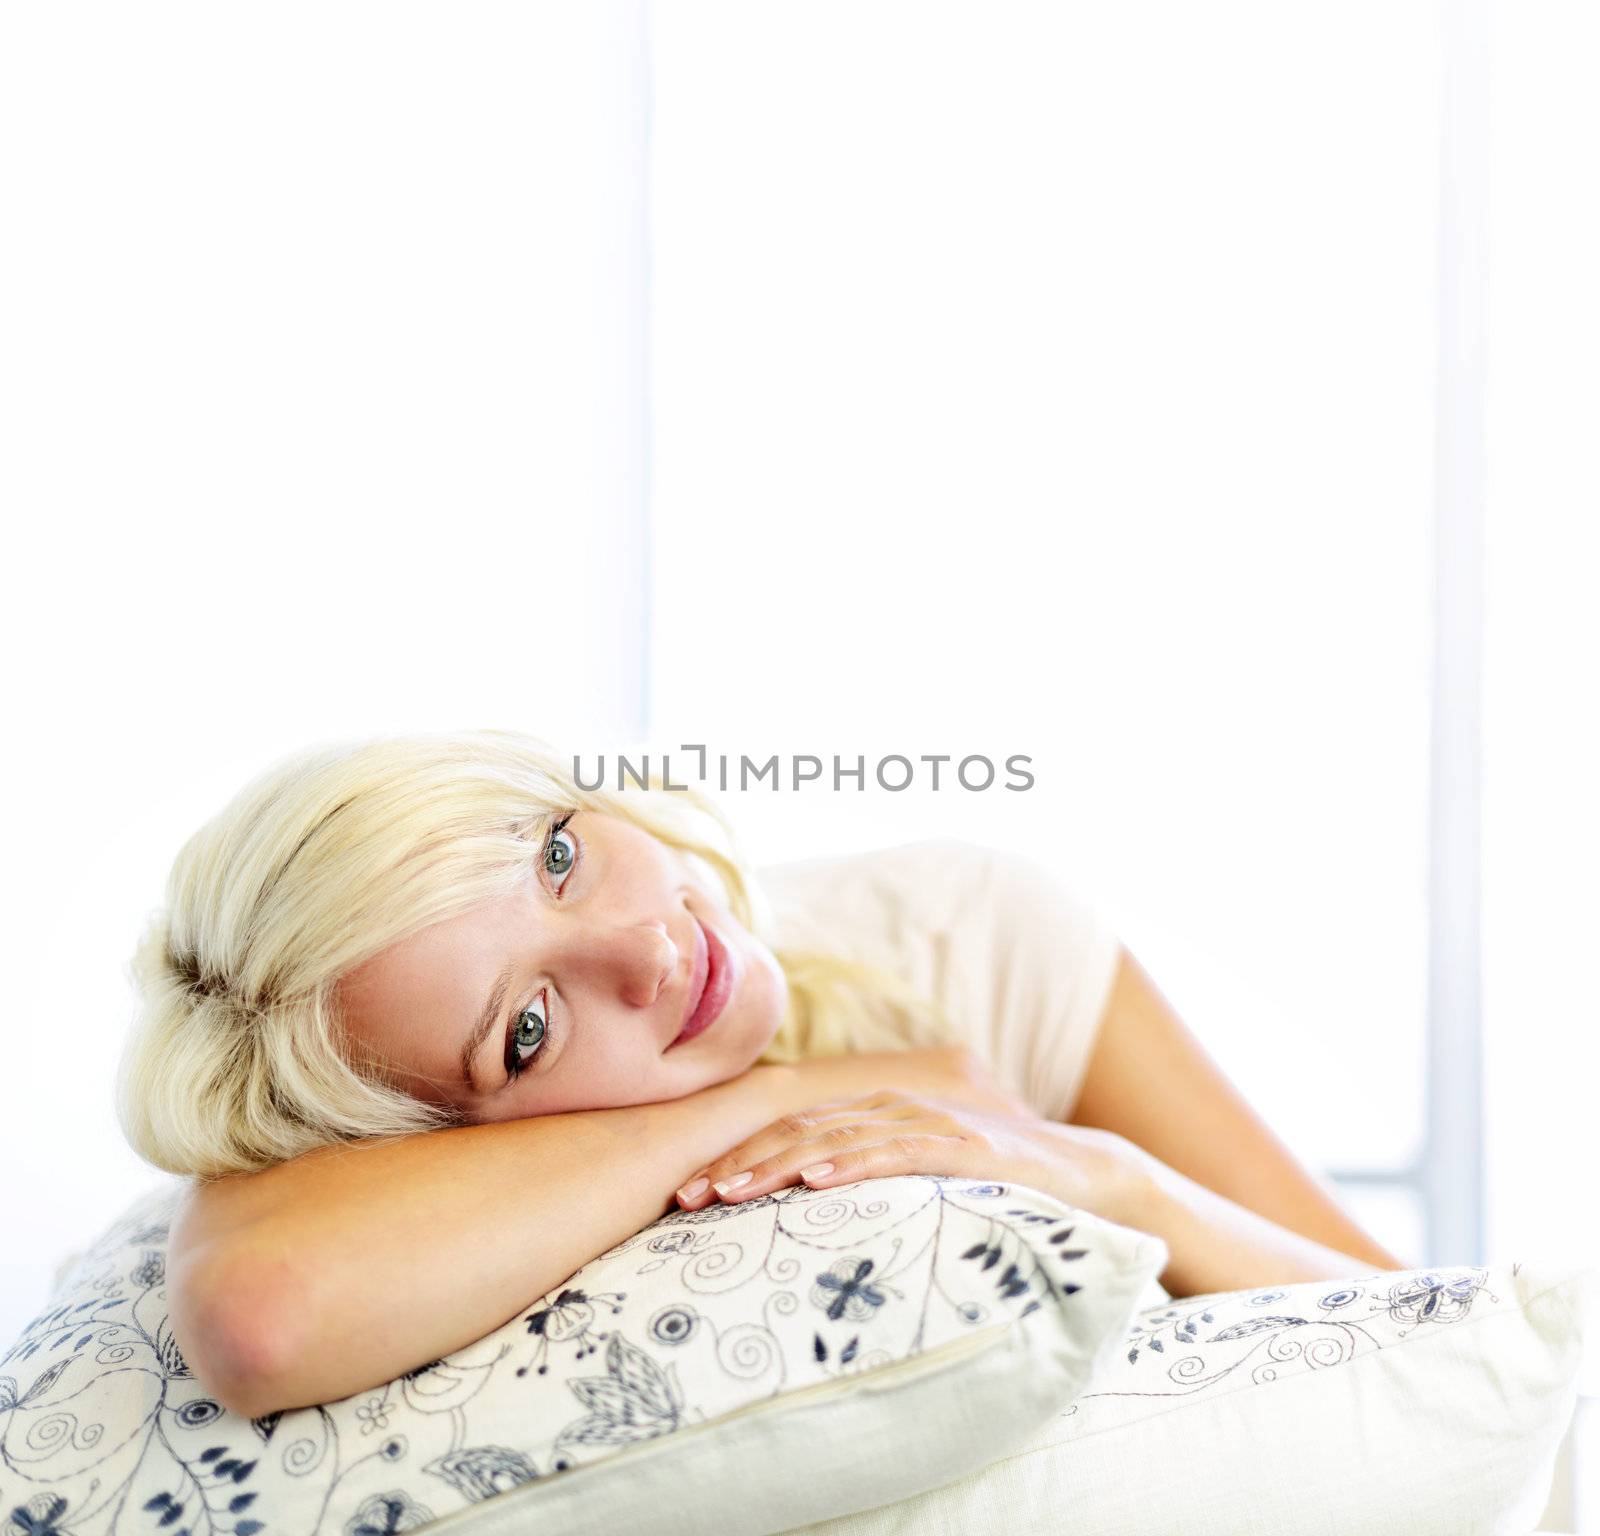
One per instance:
(589, 1001)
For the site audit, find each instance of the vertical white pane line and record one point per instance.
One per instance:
(1454, 1156)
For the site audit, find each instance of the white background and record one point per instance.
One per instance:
(1060, 380)
(323, 414)
(1024, 378)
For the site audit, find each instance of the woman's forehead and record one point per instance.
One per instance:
(430, 966)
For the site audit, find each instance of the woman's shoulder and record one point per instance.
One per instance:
(977, 903)
(875, 903)
(1004, 942)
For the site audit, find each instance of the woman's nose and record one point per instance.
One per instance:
(637, 959)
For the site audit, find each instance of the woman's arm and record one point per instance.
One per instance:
(1151, 1081)
(342, 1269)
(1215, 1245)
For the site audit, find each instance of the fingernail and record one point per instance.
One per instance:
(734, 1183)
(694, 1187)
(819, 1171)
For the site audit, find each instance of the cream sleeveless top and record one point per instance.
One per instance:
(1021, 964)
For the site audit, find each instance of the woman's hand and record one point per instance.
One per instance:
(892, 1132)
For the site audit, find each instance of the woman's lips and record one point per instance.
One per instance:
(711, 964)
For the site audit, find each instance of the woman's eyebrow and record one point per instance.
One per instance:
(480, 1030)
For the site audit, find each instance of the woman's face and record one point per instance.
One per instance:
(601, 945)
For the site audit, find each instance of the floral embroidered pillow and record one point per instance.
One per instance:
(787, 1359)
(1424, 1402)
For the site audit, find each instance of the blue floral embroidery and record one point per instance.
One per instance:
(1272, 1343)
(891, 1275)
(484, 1471)
(569, 1319)
(1430, 1297)
(633, 1401)
(387, 1514)
(843, 1291)
(38, 1516)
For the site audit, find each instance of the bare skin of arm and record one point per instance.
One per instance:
(1235, 1206)
(342, 1269)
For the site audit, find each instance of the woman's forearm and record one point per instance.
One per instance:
(1215, 1244)
(342, 1269)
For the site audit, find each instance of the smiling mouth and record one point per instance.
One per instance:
(714, 983)
(699, 975)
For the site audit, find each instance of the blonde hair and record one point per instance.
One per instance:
(238, 1059)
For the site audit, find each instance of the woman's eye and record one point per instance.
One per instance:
(527, 1035)
(561, 854)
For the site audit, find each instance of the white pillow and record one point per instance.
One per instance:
(1406, 1403)
(788, 1358)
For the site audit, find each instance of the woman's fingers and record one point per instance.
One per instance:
(892, 1133)
(841, 1146)
(867, 1156)
(816, 1121)
(824, 1133)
